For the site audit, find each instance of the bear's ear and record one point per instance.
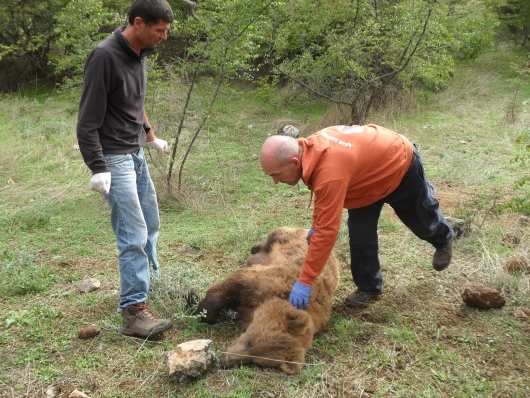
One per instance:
(296, 320)
(258, 249)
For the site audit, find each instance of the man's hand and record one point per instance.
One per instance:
(100, 182)
(300, 295)
(159, 145)
(309, 235)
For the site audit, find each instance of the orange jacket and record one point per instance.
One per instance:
(347, 167)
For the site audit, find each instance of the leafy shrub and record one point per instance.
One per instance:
(521, 203)
(168, 292)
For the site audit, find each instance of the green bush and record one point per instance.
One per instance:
(521, 203)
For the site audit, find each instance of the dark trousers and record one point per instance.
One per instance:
(415, 205)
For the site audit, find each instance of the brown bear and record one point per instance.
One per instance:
(276, 334)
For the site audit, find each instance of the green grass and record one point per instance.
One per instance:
(418, 339)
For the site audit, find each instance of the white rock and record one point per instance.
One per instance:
(190, 360)
(89, 285)
(77, 394)
(52, 392)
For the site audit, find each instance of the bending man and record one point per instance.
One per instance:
(359, 168)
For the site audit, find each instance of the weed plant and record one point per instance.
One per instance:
(418, 340)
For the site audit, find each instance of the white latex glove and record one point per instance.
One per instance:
(100, 182)
(159, 145)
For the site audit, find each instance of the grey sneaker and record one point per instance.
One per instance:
(442, 257)
(360, 299)
(139, 320)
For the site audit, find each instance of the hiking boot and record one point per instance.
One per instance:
(139, 320)
(360, 299)
(442, 257)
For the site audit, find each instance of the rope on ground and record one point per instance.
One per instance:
(271, 359)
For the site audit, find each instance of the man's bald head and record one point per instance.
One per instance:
(281, 148)
(281, 158)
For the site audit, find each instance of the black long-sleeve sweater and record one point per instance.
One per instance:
(111, 111)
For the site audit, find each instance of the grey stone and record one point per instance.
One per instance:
(460, 227)
(89, 285)
(289, 130)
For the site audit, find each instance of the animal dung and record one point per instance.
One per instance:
(511, 240)
(89, 332)
(523, 314)
(517, 264)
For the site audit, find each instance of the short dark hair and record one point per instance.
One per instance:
(151, 11)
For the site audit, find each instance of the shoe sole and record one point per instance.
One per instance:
(361, 304)
(155, 331)
(357, 305)
(440, 268)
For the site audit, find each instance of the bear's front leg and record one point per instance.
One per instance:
(222, 295)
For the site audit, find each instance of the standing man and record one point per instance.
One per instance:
(112, 127)
(359, 168)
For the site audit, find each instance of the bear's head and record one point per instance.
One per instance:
(279, 336)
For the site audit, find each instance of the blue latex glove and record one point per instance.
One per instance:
(309, 235)
(300, 295)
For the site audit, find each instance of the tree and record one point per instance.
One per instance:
(220, 48)
(356, 52)
(26, 36)
(515, 20)
(78, 28)
(43, 37)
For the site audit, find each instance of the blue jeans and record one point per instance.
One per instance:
(136, 222)
(414, 203)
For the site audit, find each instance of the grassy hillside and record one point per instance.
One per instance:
(418, 340)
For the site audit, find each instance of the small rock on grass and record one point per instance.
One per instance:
(523, 314)
(460, 227)
(517, 264)
(483, 297)
(89, 285)
(77, 394)
(511, 240)
(53, 391)
(89, 332)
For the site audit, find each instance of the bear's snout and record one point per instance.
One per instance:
(231, 359)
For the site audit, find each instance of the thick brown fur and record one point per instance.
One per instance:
(276, 334)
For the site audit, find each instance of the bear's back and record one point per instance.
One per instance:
(281, 258)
